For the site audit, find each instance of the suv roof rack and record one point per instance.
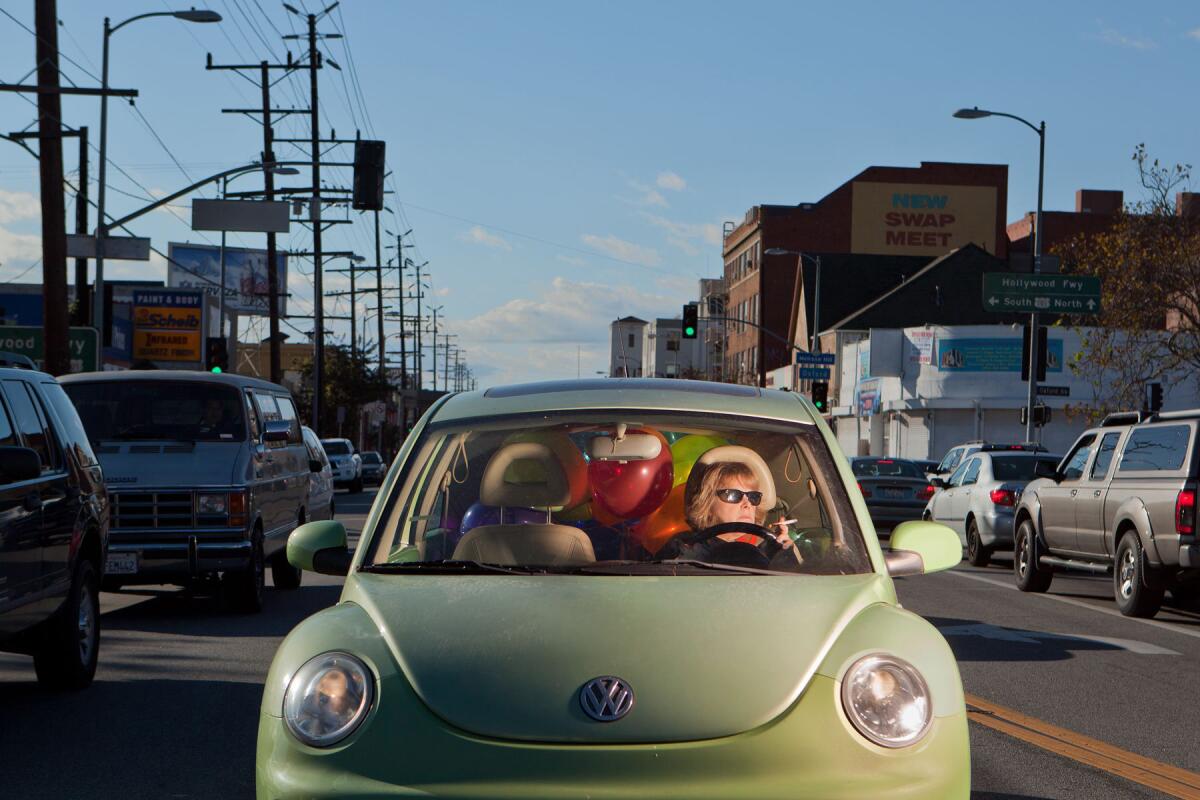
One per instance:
(1122, 418)
(1027, 447)
(10, 359)
(1190, 413)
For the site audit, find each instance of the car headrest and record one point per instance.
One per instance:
(744, 455)
(543, 485)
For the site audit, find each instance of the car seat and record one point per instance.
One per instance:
(542, 544)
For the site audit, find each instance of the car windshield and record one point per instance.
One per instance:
(371, 458)
(141, 409)
(336, 448)
(885, 468)
(620, 493)
(1017, 468)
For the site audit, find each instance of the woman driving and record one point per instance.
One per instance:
(729, 492)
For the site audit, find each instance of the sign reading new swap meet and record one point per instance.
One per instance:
(1010, 292)
(919, 219)
(168, 325)
(28, 340)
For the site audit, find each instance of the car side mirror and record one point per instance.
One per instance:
(320, 547)
(1042, 469)
(937, 482)
(19, 464)
(920, 547)
(314, 465)
(277, 430)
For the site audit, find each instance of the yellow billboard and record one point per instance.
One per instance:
(167, 345)
(921, 219)
(168, 325)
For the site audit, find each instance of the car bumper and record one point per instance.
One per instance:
(168, 562)
(885, 516)
(996, 528)
(403, 750)
(1189, 556)
(344, 475)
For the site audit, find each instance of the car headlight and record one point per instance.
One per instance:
(887, 700)
(327, 699)
(211, 503)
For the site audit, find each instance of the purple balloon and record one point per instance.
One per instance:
(479, 514)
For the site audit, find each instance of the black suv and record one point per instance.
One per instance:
(53, 531)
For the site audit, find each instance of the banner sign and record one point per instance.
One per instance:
(168, 326)
(198, 266)
(992, 355)
(920, 219)
(920, 347)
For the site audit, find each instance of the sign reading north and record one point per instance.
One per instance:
(918, 219)
(1027, 293)
(168, 326)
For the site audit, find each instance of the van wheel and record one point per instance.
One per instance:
(357, 486)
(283, 574)
(66, 656)
(1030, 577)
(244, 590)
(1136, 596)
(977, 554)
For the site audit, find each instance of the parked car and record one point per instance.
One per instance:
(979, 499)
(928, 466)
(346, 462)
(373, 467)
(895, 489)
(320, 479)
(515, 618)
(958, 453)
(53, 531)
(208, 474)
(1122, 501)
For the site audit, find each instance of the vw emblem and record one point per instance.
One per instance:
(606, 699)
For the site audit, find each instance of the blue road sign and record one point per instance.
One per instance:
(803, 357)
(814, 373)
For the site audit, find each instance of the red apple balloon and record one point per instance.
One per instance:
(634, 488)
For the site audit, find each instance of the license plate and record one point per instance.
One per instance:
(121, 564)
(895, 494)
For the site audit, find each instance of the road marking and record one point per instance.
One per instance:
(986, 631)
(1112, 612)
(1156, 775)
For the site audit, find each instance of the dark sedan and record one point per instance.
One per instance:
(895, 489)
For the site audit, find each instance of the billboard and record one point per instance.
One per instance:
(920, 219)
(168, 325)
(992, 355)
(198, 266)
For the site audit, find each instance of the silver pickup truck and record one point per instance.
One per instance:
(1122, 502)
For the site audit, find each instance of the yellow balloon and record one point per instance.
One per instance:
(685, 452)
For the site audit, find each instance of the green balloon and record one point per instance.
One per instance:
(687, 449)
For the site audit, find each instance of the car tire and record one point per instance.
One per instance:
(66, 655)
(283, 574)
(977, 554)
(244, 590)
(1030, 576)
(1136, 595)
(332, 510)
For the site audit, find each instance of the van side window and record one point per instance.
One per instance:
(253, 418)
(287, 411)
(1158, 449)
(951, 460)
(31, 422)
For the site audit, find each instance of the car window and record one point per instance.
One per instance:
(1159, 449)
(1017, 468)
(336, 448)
(972, 473)
(951, 460)
(1078, 459)
(253, 418)
(8, 436)
(31, 423)
(1104, 457)
(371, 458)
(287, 411)
(884, 467)
(71, 423)
(132, 409)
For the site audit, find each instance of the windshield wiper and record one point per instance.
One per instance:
(635, 567)
(451, 567)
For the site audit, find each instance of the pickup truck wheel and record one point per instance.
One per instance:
(977, 554)
(65, 657)
(244, 590)
(1135, 595)
(1030, 576)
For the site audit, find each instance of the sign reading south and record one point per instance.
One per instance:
(918, 219)
(1007, 292)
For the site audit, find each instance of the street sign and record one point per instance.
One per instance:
(117, 248)
(246, 216)
(1054, 391)
(803, 357)
(1010, 292)
(814, 373)
(82, 343)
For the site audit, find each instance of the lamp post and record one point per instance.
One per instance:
(814, 342)
(191, 15)
(1040, 130)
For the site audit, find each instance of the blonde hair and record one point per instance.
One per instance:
(701, 495)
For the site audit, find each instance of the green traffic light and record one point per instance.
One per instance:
(689, 331)
(215, 369)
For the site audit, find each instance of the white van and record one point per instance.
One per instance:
(207, 475)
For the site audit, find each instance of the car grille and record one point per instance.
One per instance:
(159, 510)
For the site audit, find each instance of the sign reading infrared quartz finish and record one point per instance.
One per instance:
(167, 325)
(1008, 292)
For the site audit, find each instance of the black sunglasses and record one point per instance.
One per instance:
(736, 495)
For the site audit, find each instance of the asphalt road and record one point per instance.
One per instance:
(173, 710)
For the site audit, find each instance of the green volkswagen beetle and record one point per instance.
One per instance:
(617, 588)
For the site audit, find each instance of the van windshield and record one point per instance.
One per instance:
(336, 448)
(134, 409)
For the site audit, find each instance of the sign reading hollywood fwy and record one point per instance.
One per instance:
(916, 219)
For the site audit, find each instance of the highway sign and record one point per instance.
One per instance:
(804, 357)
(82, 344)
(1025, 293)
(814, 373)
(1054, 391)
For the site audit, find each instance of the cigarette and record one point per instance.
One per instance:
(787, 522)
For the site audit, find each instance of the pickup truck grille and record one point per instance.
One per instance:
(154, 510)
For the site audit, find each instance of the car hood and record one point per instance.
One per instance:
(506, 656)
(130, 465)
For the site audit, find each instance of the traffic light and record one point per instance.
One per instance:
(820, 395)
(1041, 355)
(1041, 415)
(1154, 397)
(216, 354)
(691, 322)
(368, 175)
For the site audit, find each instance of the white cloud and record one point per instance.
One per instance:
(477, 235)
(1194, 33)
(17, 206)
(649, 195)
(574, 261)
(671, 181)
(19, 247)
(1116, 38)
(442, 292)
(623, 250)
(686, 236)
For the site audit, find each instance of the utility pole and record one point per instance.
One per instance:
(81, 228)
(315, 215)
(379, 300)
(50, 162)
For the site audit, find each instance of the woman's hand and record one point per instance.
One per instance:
(780, 529)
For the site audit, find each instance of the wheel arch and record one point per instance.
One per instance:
(1133, 515)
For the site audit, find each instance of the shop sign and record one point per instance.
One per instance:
(920, 347)
(867, 398)
(168, 326)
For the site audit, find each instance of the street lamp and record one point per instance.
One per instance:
(191, 15)
(1040, 130)
(815, 344)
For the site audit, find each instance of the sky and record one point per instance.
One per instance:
(563, 164)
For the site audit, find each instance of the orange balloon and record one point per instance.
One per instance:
(657, 528)
(603, 517)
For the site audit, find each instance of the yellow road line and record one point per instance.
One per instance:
(1156, 775)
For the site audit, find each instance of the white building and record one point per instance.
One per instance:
(631, 354)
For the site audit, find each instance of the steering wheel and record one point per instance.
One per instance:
(769, 546)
